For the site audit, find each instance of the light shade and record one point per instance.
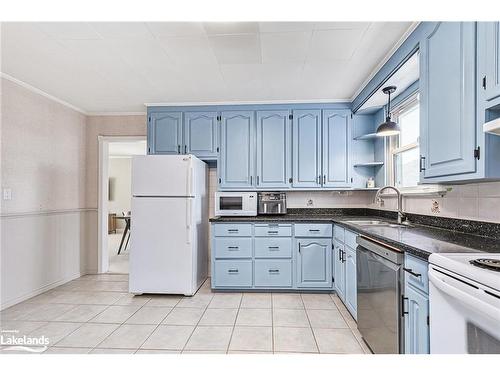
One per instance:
(388, 128)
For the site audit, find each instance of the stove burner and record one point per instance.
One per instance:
(490, 264)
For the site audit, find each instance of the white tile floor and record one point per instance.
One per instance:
(95, 314)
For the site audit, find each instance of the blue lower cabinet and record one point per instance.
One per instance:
(314, 262)
(273, 273)
(416, 321)
(280, 247)
(233, 247)
(232, 273)
(273, 230)
(351, 293)
(339, 268)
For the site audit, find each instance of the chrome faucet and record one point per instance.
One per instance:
(401, 215)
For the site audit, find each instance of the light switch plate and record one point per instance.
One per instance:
(7, 194)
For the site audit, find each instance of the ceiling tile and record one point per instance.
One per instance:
(122, 30)
(236, 49)
(280, 27)
(328, 45)
(340, 25)
(190, 50)
(163, 29)
(224, 28)
(67, 30)
(289, 46)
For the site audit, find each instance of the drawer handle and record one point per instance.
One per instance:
(273, 248)
(233, 230)
(232, 248)
(410, 271)
(313, 230)
(232, 270)
(272, 232)
(274, 271)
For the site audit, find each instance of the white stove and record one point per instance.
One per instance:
(464, 302)
(483, 268)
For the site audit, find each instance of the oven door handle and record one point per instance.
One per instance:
(466, 298)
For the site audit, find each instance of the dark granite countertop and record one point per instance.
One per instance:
(419, 239)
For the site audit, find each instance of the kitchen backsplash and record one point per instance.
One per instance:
(478, 201)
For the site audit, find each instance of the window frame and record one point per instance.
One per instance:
(394, 149)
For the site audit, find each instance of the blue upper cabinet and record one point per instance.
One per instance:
(336, 148)
(274, 151)
(489, 34)
(237, 150)
(448, 100)
(200, 134)
(306, 148)
(165, 133)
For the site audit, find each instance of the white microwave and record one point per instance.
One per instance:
(235, 203)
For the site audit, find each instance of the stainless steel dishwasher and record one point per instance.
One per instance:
(380, 294)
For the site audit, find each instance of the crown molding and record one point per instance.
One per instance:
(247, 102)
(36, 90)
(92, 114)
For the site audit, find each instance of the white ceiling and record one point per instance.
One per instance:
(119, 66)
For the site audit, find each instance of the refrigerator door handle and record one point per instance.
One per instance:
(190, 181)
(188, 221)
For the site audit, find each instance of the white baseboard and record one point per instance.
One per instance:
(38, 291)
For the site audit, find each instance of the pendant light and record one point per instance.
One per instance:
(389, 127)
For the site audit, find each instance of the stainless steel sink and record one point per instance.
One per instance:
(376, 223)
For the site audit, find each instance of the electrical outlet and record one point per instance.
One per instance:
(7, 194)
(435, 207)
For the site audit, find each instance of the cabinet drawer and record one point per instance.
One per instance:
(233, 273)
(273, 247)
(313, 230)
(418, 276)
(233, 247)
(235, 230)
(273, 230)
(350, 239)
(338, 233)
(273, 273)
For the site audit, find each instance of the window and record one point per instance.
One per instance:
(404, 148)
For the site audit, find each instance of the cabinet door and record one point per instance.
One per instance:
(491, 52)
(338, 249)
(336, 148)
(273, 149)
(314, 262)
(416, 327)
(448, 106)
(306, 148)
(237, 150)
(351, 293)
(200, 134)
(165, 131)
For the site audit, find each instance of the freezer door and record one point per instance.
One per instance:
(161, 256)
(162, 175)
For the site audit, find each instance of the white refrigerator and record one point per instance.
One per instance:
(169, 225)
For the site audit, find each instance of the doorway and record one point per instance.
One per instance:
(115, 195)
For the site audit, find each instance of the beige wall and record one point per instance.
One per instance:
(43, 152)
(46, 228)
(106, 125)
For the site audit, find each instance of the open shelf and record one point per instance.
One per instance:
(369, 164)
(366, 137)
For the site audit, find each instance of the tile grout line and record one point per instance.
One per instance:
(310, 326)
(197, 324)
(272, 324)
(234, 325)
